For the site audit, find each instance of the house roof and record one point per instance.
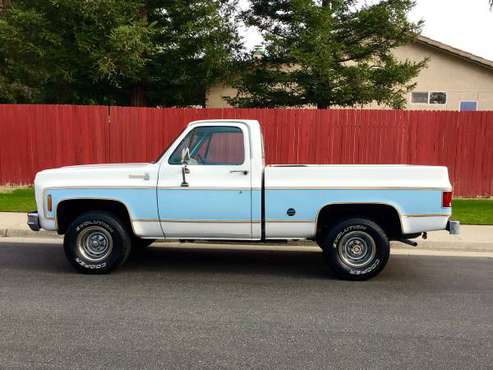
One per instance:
(454, 51)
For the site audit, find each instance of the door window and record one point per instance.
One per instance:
(212, 145)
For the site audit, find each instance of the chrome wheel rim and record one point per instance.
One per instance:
(357, 249)
(94, 243)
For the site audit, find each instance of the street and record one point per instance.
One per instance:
(216, 308)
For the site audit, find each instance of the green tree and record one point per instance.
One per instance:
(198, 46)
(114, 52)
(326, 53)
(72, 51)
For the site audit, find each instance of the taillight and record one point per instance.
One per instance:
(447, 199)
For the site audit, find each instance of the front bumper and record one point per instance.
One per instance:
(453, 227)
(33, 221)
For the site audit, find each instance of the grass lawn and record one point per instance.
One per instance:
(473, 211)
(17, 200)
(467, 211)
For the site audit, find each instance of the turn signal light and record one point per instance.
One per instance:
(447, 199)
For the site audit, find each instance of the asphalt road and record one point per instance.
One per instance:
(176, 308)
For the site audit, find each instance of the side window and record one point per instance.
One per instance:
(419, 97)
(212, 145)
(425, 97)
(438, 97)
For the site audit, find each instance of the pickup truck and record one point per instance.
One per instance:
(212, 184)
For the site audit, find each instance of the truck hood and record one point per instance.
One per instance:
(105, 175)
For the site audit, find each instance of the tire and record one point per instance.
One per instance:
(97, 243)
(355, 249)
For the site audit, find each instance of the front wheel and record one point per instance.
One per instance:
(355, 249)
(96, 243)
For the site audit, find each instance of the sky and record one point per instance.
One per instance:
(463, 24)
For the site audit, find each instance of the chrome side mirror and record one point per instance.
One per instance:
(185, 158)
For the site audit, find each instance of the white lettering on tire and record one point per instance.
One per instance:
(92, 267)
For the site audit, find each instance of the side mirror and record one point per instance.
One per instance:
(185, 155)
(185, 158)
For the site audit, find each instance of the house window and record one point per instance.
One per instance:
(437, 97)
(468, 106)
(425, 97)
(419, 97)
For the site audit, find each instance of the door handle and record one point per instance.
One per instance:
(244, 172)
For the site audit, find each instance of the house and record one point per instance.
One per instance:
(453, 80)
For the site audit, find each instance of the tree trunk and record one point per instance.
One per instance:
(137, 96)
(4, 4)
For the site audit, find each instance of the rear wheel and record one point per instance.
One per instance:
(96, 243)
(355, 249)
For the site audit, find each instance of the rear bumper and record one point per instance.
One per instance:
(33, 221)
(453, 227)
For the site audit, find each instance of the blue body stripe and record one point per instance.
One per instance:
(307, 202)
(140, 202)
(243, 205)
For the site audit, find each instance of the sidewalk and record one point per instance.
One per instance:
(473, 238)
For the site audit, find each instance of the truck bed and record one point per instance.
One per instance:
(295, 195)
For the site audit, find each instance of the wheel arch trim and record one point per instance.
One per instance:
(392, 205)
(107, 199)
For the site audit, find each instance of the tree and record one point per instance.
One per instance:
(198, 44)
(72, 51)
(326, 53)
(161, 52)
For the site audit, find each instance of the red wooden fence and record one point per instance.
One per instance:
(35, 137)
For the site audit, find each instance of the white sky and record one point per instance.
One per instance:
(464, 24)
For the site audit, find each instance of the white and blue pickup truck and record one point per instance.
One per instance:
(212, 184)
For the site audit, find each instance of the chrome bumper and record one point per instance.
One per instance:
(33, 221)
(453, 227)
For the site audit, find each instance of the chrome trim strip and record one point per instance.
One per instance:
(103, 187)
(290, 221)
(211, 221)
(352, 188)
(219, 188)
(221, 221)
(248, 188)
(429, 215)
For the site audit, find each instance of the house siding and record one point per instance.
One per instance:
(461, 78)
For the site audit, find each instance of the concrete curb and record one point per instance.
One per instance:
(18, 233)
(453, 246)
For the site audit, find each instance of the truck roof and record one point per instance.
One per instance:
(250, 122)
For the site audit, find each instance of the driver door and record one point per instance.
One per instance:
(204, 188)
